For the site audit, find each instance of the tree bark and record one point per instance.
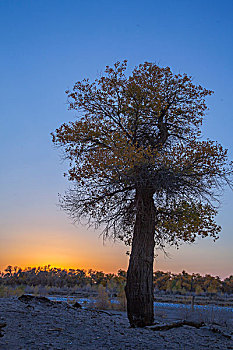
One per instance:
(139, 285)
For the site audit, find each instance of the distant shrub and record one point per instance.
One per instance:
(102, 300)
(121, 297)
(199, 290)
(6, 291)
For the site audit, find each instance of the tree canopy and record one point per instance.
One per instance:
(142, 131)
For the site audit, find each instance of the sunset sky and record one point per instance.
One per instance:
(46, 46)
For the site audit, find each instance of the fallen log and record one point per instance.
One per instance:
(165, 327)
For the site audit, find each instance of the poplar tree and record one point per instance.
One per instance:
(139, 167)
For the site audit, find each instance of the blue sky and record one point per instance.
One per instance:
(48, 45)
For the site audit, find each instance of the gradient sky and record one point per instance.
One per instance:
(46, 46)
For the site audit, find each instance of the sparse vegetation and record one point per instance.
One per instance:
(102, 300)
(210, 316)
(107, 290)
(45, 280)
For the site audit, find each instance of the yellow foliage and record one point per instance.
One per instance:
(142, 133)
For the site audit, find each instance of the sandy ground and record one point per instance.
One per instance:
(36, 325)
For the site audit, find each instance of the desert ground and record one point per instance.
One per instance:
(44, 324)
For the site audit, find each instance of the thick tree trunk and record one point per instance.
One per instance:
(139, 286)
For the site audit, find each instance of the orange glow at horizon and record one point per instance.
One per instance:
(79, 250)
(72, 247)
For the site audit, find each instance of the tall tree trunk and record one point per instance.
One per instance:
(139, 286)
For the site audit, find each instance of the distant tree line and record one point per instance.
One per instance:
(192, 283)
(57, 277)
(163, 281)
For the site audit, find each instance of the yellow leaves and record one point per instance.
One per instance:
(186, 220)
(143, 128)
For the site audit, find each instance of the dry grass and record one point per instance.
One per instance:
(6, 291)
(210, 316)
(102, 300)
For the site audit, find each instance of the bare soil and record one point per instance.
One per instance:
(38, 324)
